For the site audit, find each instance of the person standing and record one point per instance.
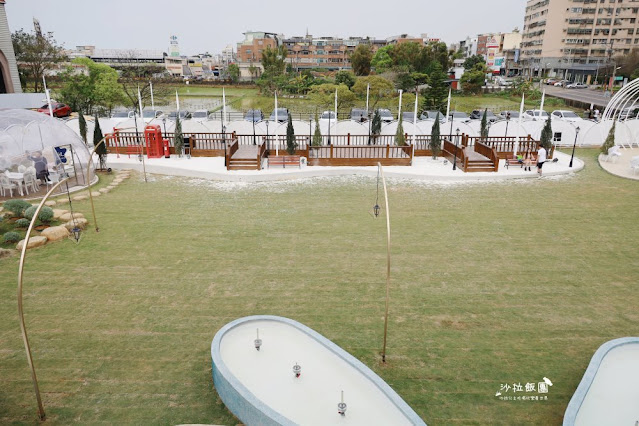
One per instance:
(596, 115)
(541, 158)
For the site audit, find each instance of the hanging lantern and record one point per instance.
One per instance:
(77, 234)
(140, 156)
(376, 210)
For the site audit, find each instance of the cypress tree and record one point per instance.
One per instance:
(610, 139)
(178, 138)
(435, 139)
(546, 136)
(100, 149)
(400, 138)
(484, 126)
(83, 127)
(317, 135)
(291, 145)
(376, 125)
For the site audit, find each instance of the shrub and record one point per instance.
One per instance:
(23, 223)
(11, 237)
(17, 207)
(46, 214)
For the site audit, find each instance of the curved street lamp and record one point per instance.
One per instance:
(376, 212)
(23, 327)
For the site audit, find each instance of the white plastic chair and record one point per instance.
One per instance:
(5, 184)
(613, 154)
(22, 169)
(634, 164)
(53, 179)
(30, 181)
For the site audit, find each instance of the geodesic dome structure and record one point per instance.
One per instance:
(26, 135)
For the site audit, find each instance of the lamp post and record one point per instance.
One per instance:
(455, 159)
(268, 145)
(253, 120)
(376, 211)
(370, 118)
(310, 129)
(507, 121)
(573, 146)
(139, 142)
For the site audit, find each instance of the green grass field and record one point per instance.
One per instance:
(492, 283)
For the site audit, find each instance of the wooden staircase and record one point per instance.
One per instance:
(478, 162)
(245, 158)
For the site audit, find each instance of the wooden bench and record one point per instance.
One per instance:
(284, 160)
(510, 161)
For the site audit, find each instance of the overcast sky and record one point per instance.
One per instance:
(209, 25)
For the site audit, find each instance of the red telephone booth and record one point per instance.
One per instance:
(153, 138)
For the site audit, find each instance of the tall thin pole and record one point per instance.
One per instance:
(152, 100)
(388, 260)
(521, 113)
(368, 89)
(137, 134)
(95, 220)
(23, 327)
(46, 91)
(277, 142)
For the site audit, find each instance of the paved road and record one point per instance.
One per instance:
(587, 96)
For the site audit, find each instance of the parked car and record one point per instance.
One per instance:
(254, 115)
(459, 116)
(535, 114)
(628, 113)
(184, 115)
(149, 114)
(577, 86)
(328, 115)
(501, 81)
(478, 114)
(565, 115)
(282, 115)
(432, 115)
(562, 83)
(359, 115)
(385, 115)
(200, 115)
(551, 81)
(513, 114)
(59, 109)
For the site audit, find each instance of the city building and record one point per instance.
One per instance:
(9, 77)
(576, 39)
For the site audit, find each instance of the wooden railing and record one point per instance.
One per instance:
(455, 153)
(261, 153)
(232, 149)
(488, 152)
(359, 155)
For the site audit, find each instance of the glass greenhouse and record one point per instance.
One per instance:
(34, 145)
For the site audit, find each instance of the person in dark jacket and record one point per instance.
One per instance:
(40, 164)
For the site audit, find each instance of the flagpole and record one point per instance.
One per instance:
(368, 89)
(152, 100)
(399, 109)
(415, 122)
(521, 113)
(277, 142)
(448, 113)
(177, 101)
(541, 107)
(46, 92)
(136, 133)
(224, 106)
(335, 105)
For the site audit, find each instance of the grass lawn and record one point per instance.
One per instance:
(492, 283)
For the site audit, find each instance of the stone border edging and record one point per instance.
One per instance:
(582, 390)
(318, 171)
(250, 410)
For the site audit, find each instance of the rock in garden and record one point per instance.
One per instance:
(59, 212)
(96, 193)
(80, 197)
(104, 190)
(110, 187)
(67, 216)
(33, 242)
(50, 203)
(55, 233)
(79, 222)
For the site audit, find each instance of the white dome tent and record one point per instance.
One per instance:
(32, 139)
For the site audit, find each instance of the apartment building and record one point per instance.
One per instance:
(575, 39)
